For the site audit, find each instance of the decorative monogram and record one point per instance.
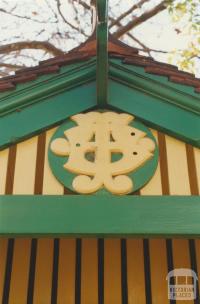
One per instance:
(103, 148)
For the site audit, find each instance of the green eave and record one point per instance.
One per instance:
(40, 104)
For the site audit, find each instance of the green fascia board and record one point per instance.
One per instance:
(131, 68)
(142, 81)
(66, 79)
(167, 118)
(50, 99)
(160, 106)
(100, 216)
(42, 79)
(29, 121)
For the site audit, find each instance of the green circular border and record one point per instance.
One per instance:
(140, 177)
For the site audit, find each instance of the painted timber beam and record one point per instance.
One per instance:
(100, 216)
(169, 92)
(160, 104)
(45, 87)
(30, 121)
(47, 101)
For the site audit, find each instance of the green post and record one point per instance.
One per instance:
(102, 52)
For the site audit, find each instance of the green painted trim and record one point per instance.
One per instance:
(105, 216)
(20, 125)
(141, 82)
(167, 118)
(37, 92)
(46, 101)
(131, 68)
(102, 53)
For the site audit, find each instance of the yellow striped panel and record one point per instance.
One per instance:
(158, 260)
(112, 271)
(135, 272)
(177, 167)
(3, 169)
(44, 258)
(3, 242)
(181, 257)
(157, 247)
(89, 272)
(154, 186)
(43, 272)
(25, 167)
(66, 272)
(50, 184)
(179, 185)
(20, 272)
(23, 184)
(3, 255)
(177, 163)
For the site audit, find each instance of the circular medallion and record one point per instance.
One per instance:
(99, 152)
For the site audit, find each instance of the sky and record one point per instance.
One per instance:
(157, 33)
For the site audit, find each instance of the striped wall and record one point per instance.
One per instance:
(91, 271)
(24, 168)
(110, 271)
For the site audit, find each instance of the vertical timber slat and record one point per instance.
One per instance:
(112, 271)
(153, 187)
(177, 167)
(43, 272)
(89, 272)
(3, 256)
(3, 169)
(3, 242)
(50, 183)
(135, 272)
(44, 256)
(179, 185)
(23, 184)
(157, 247)
(66, 272)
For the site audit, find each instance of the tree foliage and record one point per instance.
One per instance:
(186, 17)
(32, 31)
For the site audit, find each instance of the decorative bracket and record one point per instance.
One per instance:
(102, 52)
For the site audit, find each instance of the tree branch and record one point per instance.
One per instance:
(53, 12)
(122, 16)
(143, 48)
(23, 17)
(11, 66)
(43, 45)
(138, 20)
(85, 5)
(3, 74)
(66, 21)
